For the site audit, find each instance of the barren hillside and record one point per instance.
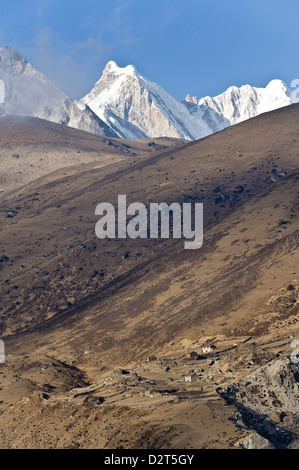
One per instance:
(98, 333)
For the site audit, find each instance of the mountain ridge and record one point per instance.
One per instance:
(123, 98)
(125, 104)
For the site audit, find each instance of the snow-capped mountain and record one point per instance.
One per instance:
(135, 107)
(238, 104)
(30, 93)
(125, 104)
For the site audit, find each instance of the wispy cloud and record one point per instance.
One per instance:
(68, 65)
(74, 66)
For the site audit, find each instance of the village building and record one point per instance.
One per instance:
(190, 378)
(208, 348)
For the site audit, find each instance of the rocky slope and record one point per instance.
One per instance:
(83, 318)
(34, 149)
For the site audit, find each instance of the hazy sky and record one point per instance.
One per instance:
(186, 46)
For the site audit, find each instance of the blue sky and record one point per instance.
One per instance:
(186, 46)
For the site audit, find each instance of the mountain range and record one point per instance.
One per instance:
(127, 105)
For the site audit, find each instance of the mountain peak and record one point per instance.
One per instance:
(10, 53)
(114, 69)
(191, 99)
(277, 85)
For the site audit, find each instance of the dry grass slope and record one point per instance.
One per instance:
(80, 316)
